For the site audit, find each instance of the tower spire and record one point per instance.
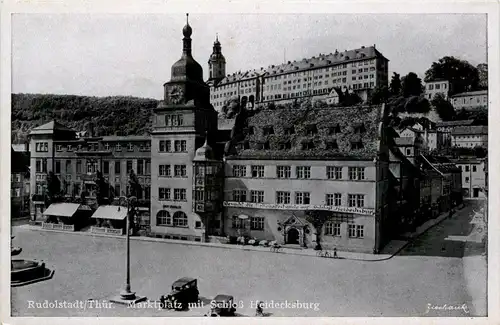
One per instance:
(187, 18)
(216, 37)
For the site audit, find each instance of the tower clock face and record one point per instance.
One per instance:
(176, 94)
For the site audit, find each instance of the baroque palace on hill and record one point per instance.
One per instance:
(273, 173)
(358, 71)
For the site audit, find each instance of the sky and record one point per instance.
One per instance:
(131, 54)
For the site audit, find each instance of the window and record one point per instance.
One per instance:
(179, 194)
(117, 190)
(408, 151)
(163, 193)
(239, 171)
(164, 171)
(58, 147)
(257, 196)
(302, 198)
(467, 168)
(282, 197)
(330, 199)
(360, 231)
(163, 218)
(356, 173)
(117, 167)
(105, 167)
(338, 199)
(240, 195)
(147, 147)
(352, 231)
(257, 171)
(474, 168)
(197, 224)
(180, 170)
(165, 146)
(147, 192)
(118, 147)
(180, 219)
(199, 195)
(106, 146)
(356, 200)
(58, 167)
(332, 229)
(237, 223)
(180, 145)
(333, 172)
(129, 166)
(283, 171)
(303, 172)
(467, 179)
(256, 223)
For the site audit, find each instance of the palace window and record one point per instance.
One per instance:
(180, 219)
(356, 200)
(118, 147)
(106, 146)
(180, 170)
(163, 218)
(163, 193)
(257, 171)
(302, 198)
(333, 172)
(257, 196)
(239, 171)
(282, 197)
(257, 223)
(356, 173)
(332, 229)
(130, 147)
(164, 146)
(164, 171)
(179, 194)
(283, 171)
(356, 231)
(303, 172)
(58, 147)
(105, 167)
(180, 145)
(239, 195)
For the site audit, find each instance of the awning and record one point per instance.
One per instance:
(61, 209)
(112, 212)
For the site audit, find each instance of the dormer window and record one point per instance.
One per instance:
(130, 147)
(356, 145)
(311, 129)
(268, 130)
(59, 147)
(106, 146)
(307, 145)
(332, 145)
(70, 147)
(289, 130)
(332, 130)
(118, 147)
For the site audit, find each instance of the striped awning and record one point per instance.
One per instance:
(112, 212)
(61, 209)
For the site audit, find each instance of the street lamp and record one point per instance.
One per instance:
(126, 295)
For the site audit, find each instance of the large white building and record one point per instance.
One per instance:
(359, 71)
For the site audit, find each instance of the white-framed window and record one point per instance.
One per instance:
(59, 147)
(332, 229)
(282, 197)
(179, 194)
(256, 196)
(180, 219)
(303, 172)
(239, 195)
(256, 223)
(330, 199)
(163, 218)
(180, 170)
(180, 145)
(164, 146)
(302, 198)
(356, 231)
(283, 171)
(239, 171)
(257, 171)
(164, 171)
(356, 173)
(338, 199)
(356, 200)
(163, 193)
(333, 172)
(130, 147)
(118, 147)
(106, 146)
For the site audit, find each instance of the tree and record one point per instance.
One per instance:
(395, 86)
(348, 99)
(411, 85)
(461, 74)
(482, 70)
(443, 107)
(102, 189)
(53, 192)
(317, 218)
(379, 95)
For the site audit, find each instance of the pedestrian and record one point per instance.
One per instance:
(335, 252)
(259, 311)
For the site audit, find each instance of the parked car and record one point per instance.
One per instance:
(222, 305)
(184, 291)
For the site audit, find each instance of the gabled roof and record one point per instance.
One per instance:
(49, 128)
(454, 123)
(471, 93)
(475, 129)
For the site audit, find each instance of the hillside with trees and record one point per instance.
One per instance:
(109, 115)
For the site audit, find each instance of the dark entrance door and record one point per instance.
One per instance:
(476, 192)
(293, 236)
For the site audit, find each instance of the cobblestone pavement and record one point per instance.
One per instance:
(88, 267)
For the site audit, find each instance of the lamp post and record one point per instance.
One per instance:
(126, 295)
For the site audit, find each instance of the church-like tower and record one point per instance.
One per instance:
(217, 62)
(182, 122)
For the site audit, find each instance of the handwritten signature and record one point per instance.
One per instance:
(447, 307)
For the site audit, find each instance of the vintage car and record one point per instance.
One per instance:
(222, 305)
(184, 291)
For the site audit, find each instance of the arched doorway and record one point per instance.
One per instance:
(292, 236)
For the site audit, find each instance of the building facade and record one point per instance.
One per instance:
(359, 71)
(182, 122)
(75, 162)
(470, 100)
(437, 87)
(473, 176)
(20, 181)
(470, 136)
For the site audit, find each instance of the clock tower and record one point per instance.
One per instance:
(182, 122)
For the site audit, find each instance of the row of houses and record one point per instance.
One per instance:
(469, 100)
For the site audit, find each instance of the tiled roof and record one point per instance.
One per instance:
(454, 123)
(49, 128)
(265, 136)
(475, 129)
(471, 93)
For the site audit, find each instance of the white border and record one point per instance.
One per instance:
(492, 8)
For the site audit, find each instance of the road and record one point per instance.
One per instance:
(427, 273)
